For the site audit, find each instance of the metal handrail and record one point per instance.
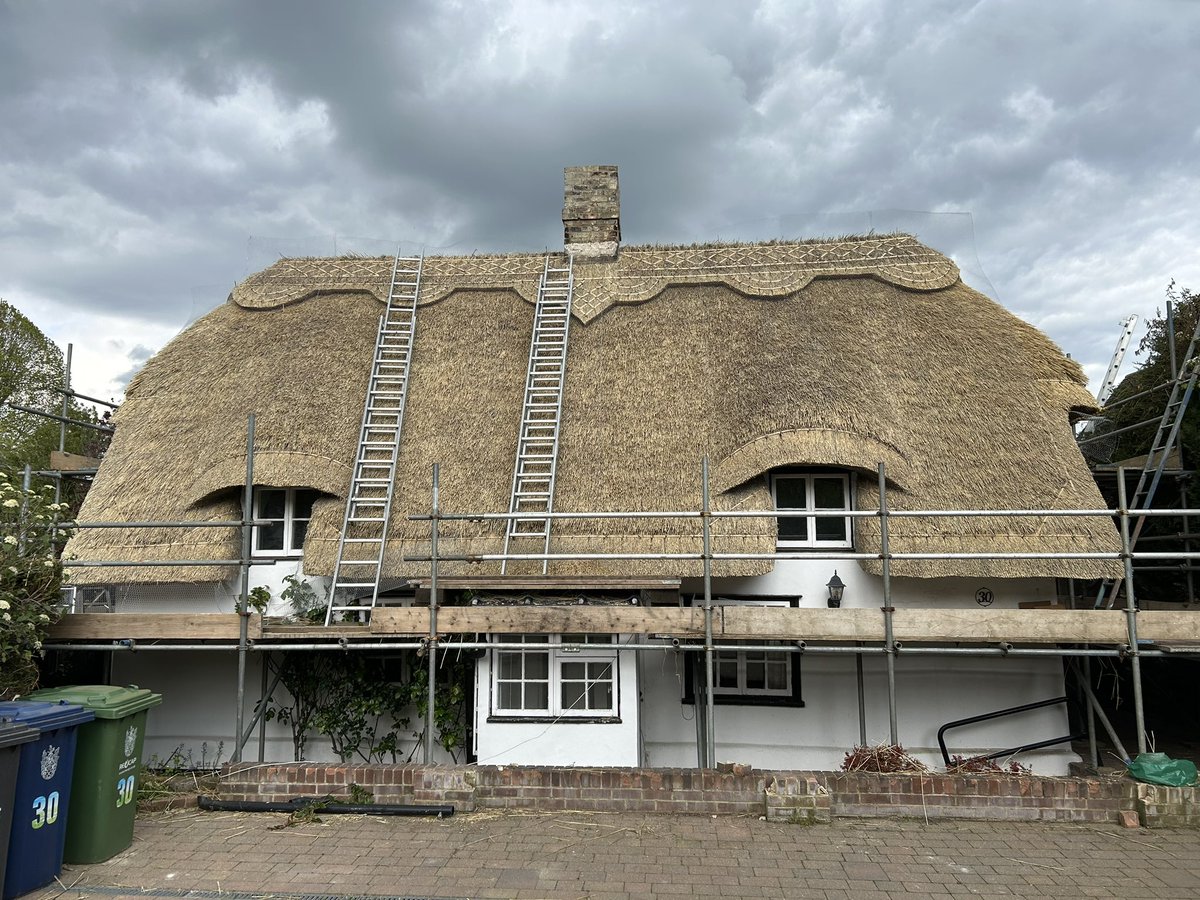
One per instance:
(1000, 713)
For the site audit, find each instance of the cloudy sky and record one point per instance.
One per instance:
(155, 153)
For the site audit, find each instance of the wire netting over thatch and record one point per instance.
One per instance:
(840, 354)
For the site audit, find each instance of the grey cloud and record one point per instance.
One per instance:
(187, 143)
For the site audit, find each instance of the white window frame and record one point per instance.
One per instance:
(291, 547)
(741, 660)
(796, 512)
(597, 649)
(789, 695)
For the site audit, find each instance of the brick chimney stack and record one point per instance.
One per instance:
(591, 211)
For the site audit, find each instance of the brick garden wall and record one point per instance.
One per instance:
(787, 795)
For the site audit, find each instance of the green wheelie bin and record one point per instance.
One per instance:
(107, 764)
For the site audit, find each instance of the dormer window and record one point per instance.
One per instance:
(285, 514)
(798, 495)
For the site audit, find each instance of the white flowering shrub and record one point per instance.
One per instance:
(30, 578)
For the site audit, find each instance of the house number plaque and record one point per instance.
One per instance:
(984, 597)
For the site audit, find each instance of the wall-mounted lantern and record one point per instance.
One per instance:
(836, 588)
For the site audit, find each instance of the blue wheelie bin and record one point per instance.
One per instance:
(12, 736)
(43, 792)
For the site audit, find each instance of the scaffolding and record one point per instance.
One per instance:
(238, 633)
(1076, 640)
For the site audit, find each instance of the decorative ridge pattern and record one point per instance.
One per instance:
(638, 274)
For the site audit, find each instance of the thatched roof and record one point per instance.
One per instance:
(840, 353)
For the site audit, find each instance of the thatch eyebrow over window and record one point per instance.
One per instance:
(810, 447)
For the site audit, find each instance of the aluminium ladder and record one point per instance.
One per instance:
(1165, 440)
(541, 414)
(359, 567)
(1109, 384)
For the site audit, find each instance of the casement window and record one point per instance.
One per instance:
(752, 677)
(752, 673)
(747, 677)
(284, 514)
(798, 495)
(555, 681)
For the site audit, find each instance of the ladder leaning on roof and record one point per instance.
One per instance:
(1109, 384)
(1165, 440)
(541, 413)
(356, 575)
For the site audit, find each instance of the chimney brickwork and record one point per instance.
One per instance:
(591, 211)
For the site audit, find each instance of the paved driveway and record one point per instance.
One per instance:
(574, 855)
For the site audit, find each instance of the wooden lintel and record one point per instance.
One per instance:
(938, 626)
(549, 583)
(152, 626)
(674, 620)
(1015, 626)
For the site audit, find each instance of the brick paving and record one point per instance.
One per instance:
(561, 855)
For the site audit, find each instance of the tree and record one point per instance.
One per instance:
(1155, 370)
(30, 576)
(32, 367)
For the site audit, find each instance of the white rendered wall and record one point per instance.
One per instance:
(792, 577)
(199, 691)
(560, 743)
(930, 690)
(196, 716)
(219, 597)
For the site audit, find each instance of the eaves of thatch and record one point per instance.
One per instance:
(841, 353)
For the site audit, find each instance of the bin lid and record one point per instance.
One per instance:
(12, 734)
(107, 701)
(45, 715)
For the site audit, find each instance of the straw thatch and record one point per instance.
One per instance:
(841, 353)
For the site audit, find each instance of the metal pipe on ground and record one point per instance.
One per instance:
(299, 804)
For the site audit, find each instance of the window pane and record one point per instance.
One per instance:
(793, 528)
(572, 695)
(777, 673)
(831, 529)
(573, 671)
(510, 695)
(271, 503)
(537, 665)
(756, 674)
(726, 675)
(829, 493)
(299, 533)
(510, 665)
(600, 695)
(304, 503)
(537, 696)
(790, 493)
(270, 537)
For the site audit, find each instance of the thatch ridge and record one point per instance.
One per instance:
(637, 274)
